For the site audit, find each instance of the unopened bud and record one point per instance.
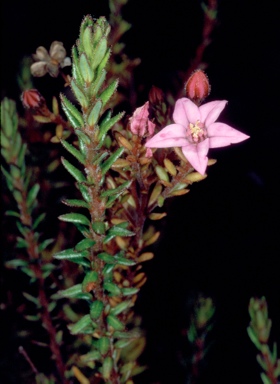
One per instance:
(197, 87)
(32, 99)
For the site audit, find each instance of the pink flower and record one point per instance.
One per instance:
(140, 124)
(196, 130)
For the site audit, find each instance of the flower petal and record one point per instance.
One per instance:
(66, 62)
(57, 51)
(41, 54)
(39, 69)
(174, 135)
(185, 112)
(211, 111)
(221, 135)
(196, 154)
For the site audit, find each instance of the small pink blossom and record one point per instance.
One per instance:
(140, 124)
(196, 130)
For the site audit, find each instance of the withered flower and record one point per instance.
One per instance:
(50, 62)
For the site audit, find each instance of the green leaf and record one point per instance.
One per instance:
(115, 323)
(254, 338)
(80, 261)
(29, 272)
(119, 308)
(75, 67)
(112, 288)
(32, 194)
(87, 37)
(97, 83)
(38, 220)
(97, 34)
(51, 306)
(107, 367)
(31, 298)
(75, 172)
(21, 243)
(89, 281)
(83, 136)
(74, 151)
(16, 263)
(90, 356)
(75, 218)
(129, 291)
(23, 230)
(84, 244)
(75, 203)
(69, 254)
(12, 213)
(265, 379)
(73, 115)
(93, 115)
(85, 69)
(106, 95)
(107, 258)
(45, 244)
(109, 162)
(79, 327)
(71, 292)
(118, 190)
(80, 95)
(108, 124)
(104, 61)
(32, 318)
(124, 261)
(117, 230)
(99, 52)
(99, 227)
(85, 193)
(96, 309)
(103, 345)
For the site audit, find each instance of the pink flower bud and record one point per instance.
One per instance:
(140, 124)
(197, 87)
(32, 99)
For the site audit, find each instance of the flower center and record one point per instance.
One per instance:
(196, 132)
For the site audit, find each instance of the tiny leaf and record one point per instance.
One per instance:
(75, 218)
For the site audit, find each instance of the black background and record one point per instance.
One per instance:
(223, 237)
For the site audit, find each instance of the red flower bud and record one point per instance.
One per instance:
(32, 99)
(156, 95)
(197, 87)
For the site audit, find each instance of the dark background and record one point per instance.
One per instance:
(223, 237)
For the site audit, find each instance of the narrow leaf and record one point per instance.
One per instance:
(38, 220)
(75, 172)
(115, 323)
(45, 244)
(99, 52)
(81, 325)
(74, 218)
(118, 190)
(107, 258)
(106, 95)
(108, 124)
(74, 151)
(69, 254)
(32, 194)
(84, 244)
(74, 116)
(96, 309)
(108, 163)
(80, 95)
(85, 69)
(75, 203)
(93, 115)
